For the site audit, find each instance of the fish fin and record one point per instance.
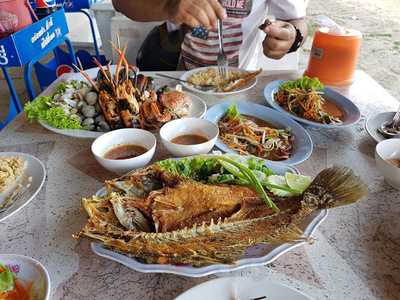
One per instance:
(290, 234)
(335, 186)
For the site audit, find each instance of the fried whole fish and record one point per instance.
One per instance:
(160, 217)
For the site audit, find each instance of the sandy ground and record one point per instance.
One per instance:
(378, 20)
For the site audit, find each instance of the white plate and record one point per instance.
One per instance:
(245, 288)
(197, 110)
(29, 270)
(374, 122)
(258, 255)
(187, 74)
(34, 169)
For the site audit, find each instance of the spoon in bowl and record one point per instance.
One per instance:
(391, 129)
(202, 87)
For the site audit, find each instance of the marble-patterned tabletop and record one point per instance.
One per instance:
(356, 254)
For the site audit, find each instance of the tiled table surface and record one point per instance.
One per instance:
(356, 255)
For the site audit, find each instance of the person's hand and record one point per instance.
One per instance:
(196, 12)
(280, 38)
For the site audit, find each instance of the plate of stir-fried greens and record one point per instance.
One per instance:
(206, 214)
(308, 101)
(252, 129)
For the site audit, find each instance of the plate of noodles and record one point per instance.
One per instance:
(237, 81)
(307, 100)
(22, 176)
(251, 129)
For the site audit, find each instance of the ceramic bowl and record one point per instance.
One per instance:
(388, 149)
(185, 126)
(125, 136)
(29, 271)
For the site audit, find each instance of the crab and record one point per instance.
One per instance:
(166, 106)
(176, 102)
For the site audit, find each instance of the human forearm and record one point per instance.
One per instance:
(143, 10)
(301, 24)
(281, 36)
(189, 12)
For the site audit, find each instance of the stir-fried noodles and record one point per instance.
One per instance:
(303, 97)
(243, 134)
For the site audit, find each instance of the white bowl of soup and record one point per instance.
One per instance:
(189, 136)
(387, 156)
(123, 150)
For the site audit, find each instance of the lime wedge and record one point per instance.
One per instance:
(278, 181)
(298, 182)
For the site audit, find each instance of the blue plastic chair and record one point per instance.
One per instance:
(14, 104)
(46, 73)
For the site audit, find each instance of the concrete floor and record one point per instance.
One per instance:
(380, 56)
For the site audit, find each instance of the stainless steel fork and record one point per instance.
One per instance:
(16, 196)
(222, 60)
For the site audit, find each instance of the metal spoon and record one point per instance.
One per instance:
(391, 129)
(203, 87)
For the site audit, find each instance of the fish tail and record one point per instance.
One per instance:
(335, 186)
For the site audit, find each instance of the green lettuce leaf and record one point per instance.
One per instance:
(304, 83)
(198, 168)
(60, 88)
(41, 109)
(232, 112)
(6, 279)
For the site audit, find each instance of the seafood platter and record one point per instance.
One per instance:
(110, 97)
(202, 213)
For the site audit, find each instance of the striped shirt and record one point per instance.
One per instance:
(242, 39)
(197, 52)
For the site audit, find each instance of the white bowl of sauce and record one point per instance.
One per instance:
(387, 156)
(189, 136)
(123, 150)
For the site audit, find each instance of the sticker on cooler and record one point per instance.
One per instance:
(62, 69)
(317, 53)
(45, 3)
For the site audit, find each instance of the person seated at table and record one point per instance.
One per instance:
(189, 35)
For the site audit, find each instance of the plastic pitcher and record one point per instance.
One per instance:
(334, 56)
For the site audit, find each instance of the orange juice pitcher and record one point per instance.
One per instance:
(334, 56)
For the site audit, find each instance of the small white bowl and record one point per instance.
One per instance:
(126, 136)
(29, 270)
(185, 126)
(388, 149)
